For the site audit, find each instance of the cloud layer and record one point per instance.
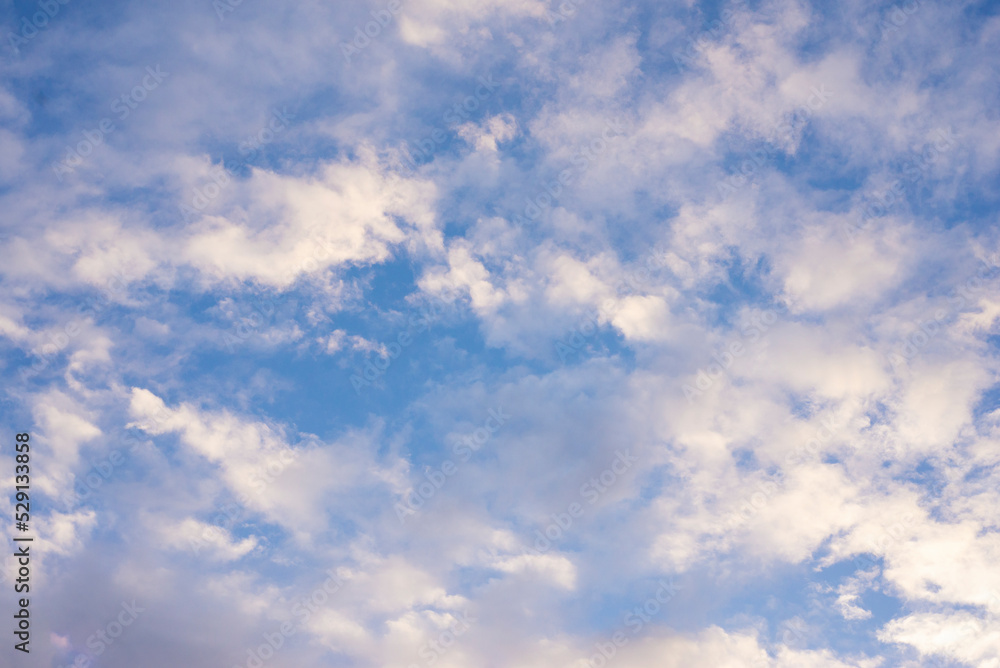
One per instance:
(517, 333)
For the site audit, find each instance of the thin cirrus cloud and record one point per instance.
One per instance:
(527, 333)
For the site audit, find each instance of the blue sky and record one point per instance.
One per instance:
(511, 333)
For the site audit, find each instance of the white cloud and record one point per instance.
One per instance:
(959, 636)
(206, 540)
(347, 214)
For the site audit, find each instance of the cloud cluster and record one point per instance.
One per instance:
(715, 383)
